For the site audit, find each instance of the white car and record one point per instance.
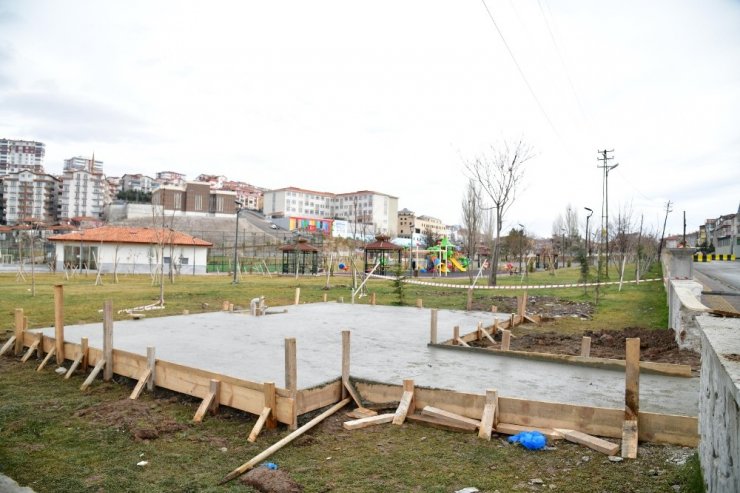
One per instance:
(273, 226)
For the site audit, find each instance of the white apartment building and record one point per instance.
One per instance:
(409, 225)
(16, 155)
(79, 163)
(377, 211)
(84, 194)
(138, 183)
(28, 197)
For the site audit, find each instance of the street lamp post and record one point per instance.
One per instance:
(239, 206)
(606, 191)
(588, 252)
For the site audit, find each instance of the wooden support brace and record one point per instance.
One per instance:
(441, 413)
(533, 319)
(586, 347)
(74, 366)
(46, 360)
(490, 339)
(592, 442)
(490, 410)
(84, 350)
(460, 342)
(151, 364)
(266, 411)
(140, 384)
(406, 406)
(10, 343)
(94, 373)
(33, 347)
(210, 402)
(369, 421)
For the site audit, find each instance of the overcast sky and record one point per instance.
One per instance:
(391, 96)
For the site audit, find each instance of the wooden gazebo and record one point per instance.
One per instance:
(300, 258)
(382, 251)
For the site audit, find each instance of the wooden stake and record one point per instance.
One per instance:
(469, 302)
(271, 404)
(210, 402)
(46, 360)
(74, 366)
(297, 296)
(140, 384)
(225, 306)
(372, 299)
(325, 297)
(505, 339)
(455, 335)
(59, 322)
(108, 339)
(631, 398)
(433, 328)
(151, 364)
(494, 309)
(406, 406)
(277, 446)
(19, 327)
(266, 412)
(345, 362)
(490, 410)
(8, 344)
(94, 373)
(419, 303)
(83, 350)
(291, 375)
(586, 347)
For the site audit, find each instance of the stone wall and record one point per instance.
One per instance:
(719, 403)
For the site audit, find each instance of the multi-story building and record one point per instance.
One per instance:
(170, 178)
(84, 194)
(374, 212)
(194, 198)
(249, 195)
(138, 183)
(79, 163)
(727, 234)
(409, 225)
(16, 155)
(114, 186)
(28, 197)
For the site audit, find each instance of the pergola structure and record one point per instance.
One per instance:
(382, 251)
(300, 258)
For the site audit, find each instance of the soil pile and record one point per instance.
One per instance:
(142, 420)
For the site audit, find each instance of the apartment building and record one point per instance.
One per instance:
(249, 195)
(84, 193)
(28, 197)
(80, 163)
(194, 198)
(170, 178)
(409, 225)
(138, 183)
(377, 212)
(17, 155)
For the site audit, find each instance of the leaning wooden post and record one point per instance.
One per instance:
(151, 363)
(345, 363)
(407, 405)
(108, 340)
(59, 322)
(586, 347)
(631, 398)
(83, 350)
(433, 335)
(19, 326)
(488, 421)
(297, 296)
(291, 377)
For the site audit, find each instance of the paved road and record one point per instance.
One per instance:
(720, 277)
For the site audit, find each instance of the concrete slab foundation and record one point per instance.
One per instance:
(388, 344)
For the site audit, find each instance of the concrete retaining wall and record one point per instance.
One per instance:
(719, 403)
(684, 295)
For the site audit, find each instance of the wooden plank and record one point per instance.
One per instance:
(407, 405)
(280, 444)
(585, 347)
(108, 339)
(487, 422)
(592, 442)
(94, 373)
(505, 339)
(74, 366)
(19, 329)
(210, 402)
(33, 347)
(442, 424)
(345, 363)
(266, 411)
(59, 322)
(512, 429)
(369, 421)
(442, 414)
(8, 344)
(47, 358)
(291, 375)
(629, 439)
(314, 398)
(352, 392)
(271, 405)
(140, 384)
(361, 412)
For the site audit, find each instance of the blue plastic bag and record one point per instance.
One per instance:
(270, 465)
(530, 440)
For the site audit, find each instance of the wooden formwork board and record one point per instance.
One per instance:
(609, 363)
(599, 421)
(308, 400)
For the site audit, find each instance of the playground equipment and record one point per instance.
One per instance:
(444, 258)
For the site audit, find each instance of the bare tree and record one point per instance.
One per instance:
(499, 175)
(471, 218)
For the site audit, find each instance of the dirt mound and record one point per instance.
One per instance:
(546, 306)
(271, 481)
(141, 419)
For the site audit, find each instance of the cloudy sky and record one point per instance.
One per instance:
(391, 96)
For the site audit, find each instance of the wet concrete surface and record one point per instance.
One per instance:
(388, 344)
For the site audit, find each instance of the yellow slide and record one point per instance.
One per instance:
(457, 264)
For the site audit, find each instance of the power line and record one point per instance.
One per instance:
(521, 72)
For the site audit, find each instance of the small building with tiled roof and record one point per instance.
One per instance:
(131, 250)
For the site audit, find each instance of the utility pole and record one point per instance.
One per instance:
(605, 158)
(662, 235)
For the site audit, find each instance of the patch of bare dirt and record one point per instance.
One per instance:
(657, 345)
(141, 419)
(546, 306)
(271, 481)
